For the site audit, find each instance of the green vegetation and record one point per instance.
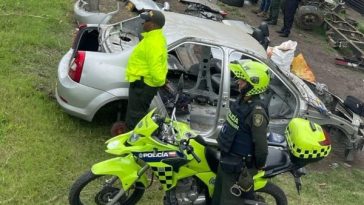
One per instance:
(43, 150)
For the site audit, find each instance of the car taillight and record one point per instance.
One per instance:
(326, 141)
(76, 66)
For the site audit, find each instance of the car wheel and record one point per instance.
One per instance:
(309, 17)
(237, 3)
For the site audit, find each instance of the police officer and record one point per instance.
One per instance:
(147, 67)
(273, 12)
(289, 10)
(243, 138)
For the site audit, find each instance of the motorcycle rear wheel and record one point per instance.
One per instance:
(271, 194)
(92, 189)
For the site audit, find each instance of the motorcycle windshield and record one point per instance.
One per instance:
(146, 126)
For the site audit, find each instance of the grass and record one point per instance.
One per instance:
(43, 150)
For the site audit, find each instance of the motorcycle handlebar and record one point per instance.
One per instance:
(185, 146)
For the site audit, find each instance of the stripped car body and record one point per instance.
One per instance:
(92, 75)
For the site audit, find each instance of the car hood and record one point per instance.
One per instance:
(306, 93)
(240, 25)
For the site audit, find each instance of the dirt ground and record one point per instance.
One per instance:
(341, 81)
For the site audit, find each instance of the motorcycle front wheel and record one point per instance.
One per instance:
(91, 189)
(271, 194)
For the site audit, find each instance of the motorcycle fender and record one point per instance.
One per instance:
(259, 181)
(123, 167)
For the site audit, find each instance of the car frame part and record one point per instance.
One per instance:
(204, 9)
(342, 34)
(85, 17)
(142, 5)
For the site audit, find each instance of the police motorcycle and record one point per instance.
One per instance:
(186, 165)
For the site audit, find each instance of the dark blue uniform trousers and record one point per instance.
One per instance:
(289, 10)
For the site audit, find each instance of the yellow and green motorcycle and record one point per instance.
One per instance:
(186, 166)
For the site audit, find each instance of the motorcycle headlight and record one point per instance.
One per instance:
(133, 138)
(113, 144)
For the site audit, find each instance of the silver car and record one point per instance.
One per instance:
(91, 75)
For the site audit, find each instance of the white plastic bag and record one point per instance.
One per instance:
(283, 54)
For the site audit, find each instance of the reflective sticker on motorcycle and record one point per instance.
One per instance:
(156, 156)
(257, 120)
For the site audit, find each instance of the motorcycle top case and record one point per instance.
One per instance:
(307, 141)
(355, 105)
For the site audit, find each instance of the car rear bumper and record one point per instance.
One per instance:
(77, 99)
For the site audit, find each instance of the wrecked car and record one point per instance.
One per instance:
(91, 76)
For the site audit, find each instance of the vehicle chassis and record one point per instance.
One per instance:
(342, 34)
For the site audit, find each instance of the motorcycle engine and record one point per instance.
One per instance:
(186, 192)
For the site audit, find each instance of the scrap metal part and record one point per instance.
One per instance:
(85, 17)
(141, 5)
(342, 34)
(208, 4)
(204, 9)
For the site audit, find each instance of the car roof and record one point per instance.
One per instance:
(180, 26)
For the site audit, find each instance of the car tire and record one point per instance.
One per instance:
(237, 3)
(308, 17)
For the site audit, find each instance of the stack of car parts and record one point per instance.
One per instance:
(343, 35)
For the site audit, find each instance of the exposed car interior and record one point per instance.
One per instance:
(201, 67)
(197, 105)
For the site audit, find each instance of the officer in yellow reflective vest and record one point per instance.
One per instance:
(147, 67)
(243, 138)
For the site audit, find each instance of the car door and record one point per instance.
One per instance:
(198, 106)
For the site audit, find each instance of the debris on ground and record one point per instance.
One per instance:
(283, 54)
(334, 165)
(347, 165)
(301, 69)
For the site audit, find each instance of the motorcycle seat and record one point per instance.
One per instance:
(213, 157)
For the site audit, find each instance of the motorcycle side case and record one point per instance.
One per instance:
(307, 141)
